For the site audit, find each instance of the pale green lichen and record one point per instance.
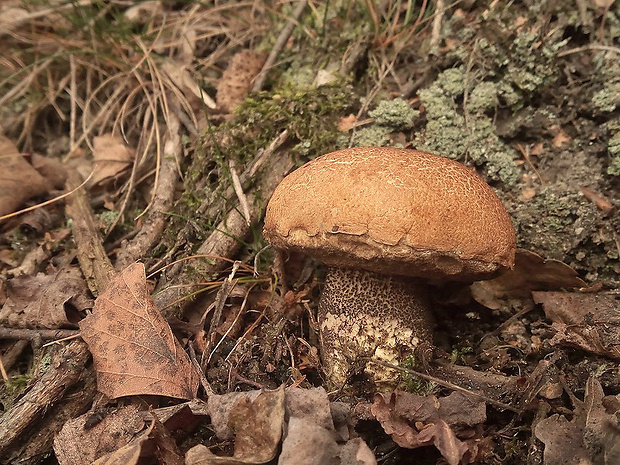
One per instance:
(483, 97)
(394, 114)
(532, 60)
(555, 222)
(608, 98)
(613, 147)
(388, 116)
(452, 134)
(374, 135)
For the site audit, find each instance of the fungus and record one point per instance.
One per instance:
(386, 222)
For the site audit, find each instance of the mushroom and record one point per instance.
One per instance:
(386, 222)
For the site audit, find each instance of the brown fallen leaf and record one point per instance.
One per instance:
(588, 321)
(237, 80)
(311, 437)
(133, 347)
(129, 454)
(77, 443)
(530, 273)
(46, 301)
(601, 202)
(19, 180)
(111, 157)
(345, 123)
(603, 3)
(51, 169)
(560, 137)
(414, 421)
(591, 437)
(257, 425)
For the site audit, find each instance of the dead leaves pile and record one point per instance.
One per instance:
(300, 424)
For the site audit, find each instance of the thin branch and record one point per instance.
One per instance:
(279, 45)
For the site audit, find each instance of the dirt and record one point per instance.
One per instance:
(527, 93)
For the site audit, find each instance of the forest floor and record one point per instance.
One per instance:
(145, 319)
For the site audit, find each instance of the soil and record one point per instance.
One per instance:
(526, 92)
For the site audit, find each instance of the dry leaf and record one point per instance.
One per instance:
(604, 3)
(167, 451)
(307, 443)
(77, 443)
(238, 78)
(592, 437)
(415, 421)
(51, 169)
(111, 157)
(133, 347)
(560, 138)
(257, 425)
(129, 454)
(311, 436)
(588, 321)
(345, 123)
(601, 202)
(357, 452)
(531, 273)
(184, 80)
(19, 181)
(46, 301)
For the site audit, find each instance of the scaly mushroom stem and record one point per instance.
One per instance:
(371, 315)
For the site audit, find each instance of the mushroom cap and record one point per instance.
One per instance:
(393, 211)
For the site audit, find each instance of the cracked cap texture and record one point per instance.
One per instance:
(393, 211)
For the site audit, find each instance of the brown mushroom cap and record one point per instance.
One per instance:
(393, 211)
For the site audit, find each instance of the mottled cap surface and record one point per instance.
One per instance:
(393, 211)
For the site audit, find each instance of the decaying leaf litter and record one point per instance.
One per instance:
(150, 103)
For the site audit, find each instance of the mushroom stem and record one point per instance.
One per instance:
(370, 315)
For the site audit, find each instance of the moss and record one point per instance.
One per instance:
(414, 384)
(309, 114)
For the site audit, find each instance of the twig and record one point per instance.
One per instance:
(211, 209)
(220, 300)
(278, 46)
(225, 241)
(449, 385)
(436, 30)
(243, 201)
(235, 374)
(64, 371)
(35, 334)
(154, 225)
(203, 379)
(94, 262)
